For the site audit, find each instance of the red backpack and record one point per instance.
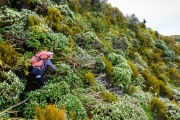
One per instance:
(40, 57)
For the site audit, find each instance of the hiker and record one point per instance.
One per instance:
(39, 64)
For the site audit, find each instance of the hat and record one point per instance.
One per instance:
(50, 53)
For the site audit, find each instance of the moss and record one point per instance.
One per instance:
(8, 55)
(50, 112)
(133, 68)
(90, 79)
(54, 18)
(109, 67)
(33, 20)
(108, 97)
(155, 85)
(159, 108)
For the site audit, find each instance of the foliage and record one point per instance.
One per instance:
(72, 104)
(161, 44)
(8, 55)
(8, 16)
(33, 20)
(172, 111)
(155, 85)
(39, 38)
(53, 19)
(40, 98)
(87, 40)
(109, 67)
(50, 112)
(122, 72)
(90, 79)
(159, 108)
(10, 87)
(126, 108)
(121, 43)
(108, 96)
(133, 68)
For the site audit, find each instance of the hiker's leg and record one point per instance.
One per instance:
(41, 80)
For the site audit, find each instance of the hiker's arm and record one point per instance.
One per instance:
(49, 63)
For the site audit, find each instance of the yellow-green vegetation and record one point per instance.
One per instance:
(8, 55)
(90, 78)
(33, 20)
(109, 67)
(53, 19)
(133, 68)
(50, 112)
(155, 85)
(108, 96)
(159, 108)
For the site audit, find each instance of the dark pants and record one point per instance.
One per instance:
(41, 80)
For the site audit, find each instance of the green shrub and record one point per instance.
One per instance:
(10, 87)
(87, 40)
(161, 44)
(39, 38)
(126, 108)
(72, 104)
(172, 111)
(51, 93)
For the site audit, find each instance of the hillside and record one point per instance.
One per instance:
(109, 66)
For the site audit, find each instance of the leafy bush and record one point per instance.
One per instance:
(72, 104)
(121, 43)
(39, 38)
(161, 44)
(155, 85)
(126, 108)
(87, 40)
(122, 72)
(172, 111)
(10, 87)
(51, 93)
(8, 16)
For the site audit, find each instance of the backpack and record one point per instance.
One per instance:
(38, 60)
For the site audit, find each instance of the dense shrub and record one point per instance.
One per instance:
(121, 43)
(121, 73)
(73, 106)
(108, 96)
(161, 44)
(126, 108)
(172, 111)
(51, 93)
(90, 79)
(39, 38)
(87, 40)
(8, 16)
(10, 87)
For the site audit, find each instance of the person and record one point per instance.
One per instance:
(39, 76)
